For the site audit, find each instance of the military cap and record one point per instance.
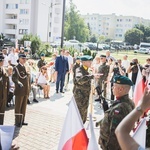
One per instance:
(42, 55)
(104, 56)
(122, 80)
(1, 57)
(25, 50)
(22, 56)
(86, 58)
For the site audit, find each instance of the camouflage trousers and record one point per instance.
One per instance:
(82, 100)
(103, 86)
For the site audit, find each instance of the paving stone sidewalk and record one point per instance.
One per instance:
(45, 120)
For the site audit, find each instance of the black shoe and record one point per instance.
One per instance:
(24, 124)
(56, 91)
(62, 92)
(36, 101)
(28, 102)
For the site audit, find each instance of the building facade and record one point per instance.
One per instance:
(38, 17)
(112, 26)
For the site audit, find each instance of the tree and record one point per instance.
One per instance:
(134, 36)
(75, 26)
(93, 39)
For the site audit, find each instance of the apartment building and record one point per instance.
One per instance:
(111, 25)
(38, 17)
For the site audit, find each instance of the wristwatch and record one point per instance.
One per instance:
(139, 109)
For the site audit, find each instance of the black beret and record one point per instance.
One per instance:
(104, 56)
(22, 56)
(122, 80)
(1, 57)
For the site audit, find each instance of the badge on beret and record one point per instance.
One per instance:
(118, 81)
(116, 112)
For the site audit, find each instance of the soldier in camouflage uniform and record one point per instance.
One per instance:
(114, 115)
(75, 66)
(83, 86)
(42, 61)
(103, 69)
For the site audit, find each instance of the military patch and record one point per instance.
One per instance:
(116, 112)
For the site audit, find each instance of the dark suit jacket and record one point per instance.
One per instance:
(61, 65)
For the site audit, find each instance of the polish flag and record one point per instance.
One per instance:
(140, 134)
(73, 136)
(92, 141)
(139, 87)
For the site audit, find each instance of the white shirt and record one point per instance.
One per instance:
(6, 58)
(13, 57)
(125, 64)
(70, 61)
(11, 84)
(41, 79)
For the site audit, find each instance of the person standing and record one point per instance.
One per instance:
(22, 88)
(114, 115)
(126, 63)
(42, 61)
(61, 68)
(4, 86)
(83, 86)
(104, 70)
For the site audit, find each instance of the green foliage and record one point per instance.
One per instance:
(45, 48)
(35, 42)
(94, 54)
(86, 52)
(93, 39)
(75, 26)
(134, 36)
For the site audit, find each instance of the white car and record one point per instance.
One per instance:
(142, 51)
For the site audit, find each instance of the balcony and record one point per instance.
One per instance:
(11, 21)
(10, 31)
(12, 11)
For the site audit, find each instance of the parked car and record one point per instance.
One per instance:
(142, 51)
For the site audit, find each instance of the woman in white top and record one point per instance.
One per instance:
(42, 79)
(123, 130)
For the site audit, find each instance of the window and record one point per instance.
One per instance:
(24, 1)
(23, 31)
(24, 21)
(120, 35)
(11, 6)
(24, 11)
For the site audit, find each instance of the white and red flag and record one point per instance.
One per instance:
(139, 87)
(73, 136)
(140, 133)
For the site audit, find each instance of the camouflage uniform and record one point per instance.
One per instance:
(112, 118)
(75, 66)
(41, 63)
(82, 91)
(103, 69)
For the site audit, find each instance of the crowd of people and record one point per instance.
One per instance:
(20, 75)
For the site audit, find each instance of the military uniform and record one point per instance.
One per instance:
(41, 62)
(103, 69)
(112, 117)
(4, 86)
(75, 66)
(21, 79)
(82, 90)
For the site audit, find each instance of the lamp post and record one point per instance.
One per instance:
(63, 20)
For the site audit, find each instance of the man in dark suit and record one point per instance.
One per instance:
(22, 87)
(61, 67)
(4, 88)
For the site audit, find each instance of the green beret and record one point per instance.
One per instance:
(42, 55)
(86, 58)
(104, 56)
(122, 80)
(25, 50)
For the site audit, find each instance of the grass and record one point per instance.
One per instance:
(119, 55)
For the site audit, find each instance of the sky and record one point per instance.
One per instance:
(139, 8)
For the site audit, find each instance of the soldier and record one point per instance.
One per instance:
(4, 86)
(75, 66)
(21, 79)
(83, 86)
(113, 116)
(103, 69)
(42, 61)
